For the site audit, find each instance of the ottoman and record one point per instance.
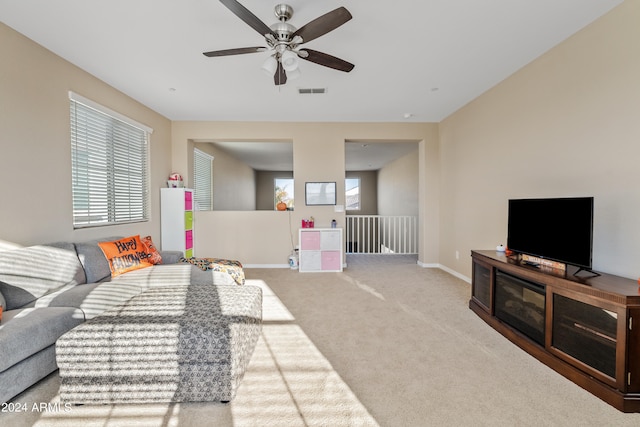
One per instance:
(187, 343)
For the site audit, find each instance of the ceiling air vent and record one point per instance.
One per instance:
(312, 90)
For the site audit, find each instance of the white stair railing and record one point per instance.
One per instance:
(379, 234)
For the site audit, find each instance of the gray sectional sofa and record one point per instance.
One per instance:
(47, 290)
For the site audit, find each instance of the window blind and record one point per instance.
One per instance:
(109, 168)
(202, 180)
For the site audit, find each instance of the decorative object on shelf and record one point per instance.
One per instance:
(500, 248)
(281, 206)
(308, 223)
(283, 39)
(320, 193)
(334, 224)
(175, 181)
(533, 260)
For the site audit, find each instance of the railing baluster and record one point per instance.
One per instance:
(377, 234)
(404, 234)
(369, 234)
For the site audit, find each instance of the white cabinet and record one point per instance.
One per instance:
(176, 219)
(320, 249)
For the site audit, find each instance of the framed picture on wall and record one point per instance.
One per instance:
(320, 193)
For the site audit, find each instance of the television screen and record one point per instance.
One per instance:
(558, 229)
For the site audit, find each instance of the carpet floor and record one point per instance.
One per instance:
(385, 343)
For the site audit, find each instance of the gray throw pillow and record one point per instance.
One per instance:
(95, 264)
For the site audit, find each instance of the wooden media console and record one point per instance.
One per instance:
(585, 328)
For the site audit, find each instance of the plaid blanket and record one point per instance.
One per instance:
(231, 267)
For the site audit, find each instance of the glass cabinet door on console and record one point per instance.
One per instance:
(520, 304)
(590, 335)
(481, 284)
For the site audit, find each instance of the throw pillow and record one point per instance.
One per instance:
(93, 261)
(125, 255)
(153, 254)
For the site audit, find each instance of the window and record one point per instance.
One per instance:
(202, 180)
(283, 192)
(109, 166)
(352, 187)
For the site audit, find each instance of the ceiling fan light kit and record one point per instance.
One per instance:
(289, 60)
(283, 39)
(270, 65)
(293, 74)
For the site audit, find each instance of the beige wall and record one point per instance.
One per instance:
(234, 182)
(265, 188)
(318, 155)
(368, 192)
(565, 125)
(398, 186)
(35, 147)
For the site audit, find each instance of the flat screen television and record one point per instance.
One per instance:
(558, 229)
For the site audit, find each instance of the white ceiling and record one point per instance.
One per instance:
(363, 155)
(424, 59)
(278, 156)
(261, 156)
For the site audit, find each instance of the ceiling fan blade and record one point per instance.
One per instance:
(238, 51)
(280, 77)
(249, 18)
(327, 60)
(323, 24)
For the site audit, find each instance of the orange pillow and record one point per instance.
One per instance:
(152, 253)
(125, 255)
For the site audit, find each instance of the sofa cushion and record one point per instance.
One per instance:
(93, 298)
(80, 277)
(171, 257)
(29, 273)
(167, 275)
(26, 331)
(95, 265)
(126, 254)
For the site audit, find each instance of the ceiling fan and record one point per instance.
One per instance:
(284, 40)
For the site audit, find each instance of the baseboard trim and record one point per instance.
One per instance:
(426, 265)
(447, 269)
(456, 274)
(421, 264)
(266, 266)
